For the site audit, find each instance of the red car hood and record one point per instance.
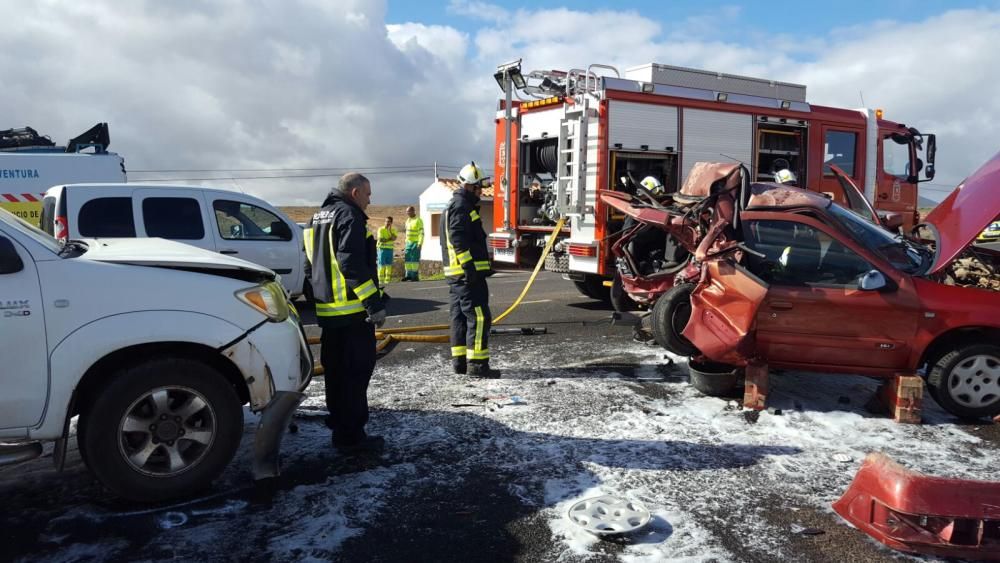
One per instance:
(964, 214)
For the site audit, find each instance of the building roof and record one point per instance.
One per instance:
(452, 184)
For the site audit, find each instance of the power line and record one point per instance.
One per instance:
(281, 177)
(327, 168)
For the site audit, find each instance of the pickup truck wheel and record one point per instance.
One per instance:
(966, 381)
(671, 313)
(161, 429)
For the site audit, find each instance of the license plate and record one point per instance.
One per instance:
(506, 254)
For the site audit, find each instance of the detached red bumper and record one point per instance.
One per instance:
(913, 512)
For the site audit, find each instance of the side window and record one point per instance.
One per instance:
(243, 221)
(177, 218)
(840, 150)
(895, 158)
(106, 217)
(47, 220)
(797, 254)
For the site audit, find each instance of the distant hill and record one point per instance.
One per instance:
(923, 202)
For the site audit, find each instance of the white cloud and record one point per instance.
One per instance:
(308, 83)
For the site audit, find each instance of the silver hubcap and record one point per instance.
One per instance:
(975, 382)
(167, 431)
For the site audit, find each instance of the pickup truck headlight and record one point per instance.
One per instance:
(268, 299)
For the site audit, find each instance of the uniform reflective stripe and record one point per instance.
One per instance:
(458, 351)
(464, 256)
(386, 237)
(482, 265)
(330, 310)
(453, 271)
(337, 280)
(308, 238)
(365, 290)
(480, 355)
(480, 328)
(414, 229)
(474, 215)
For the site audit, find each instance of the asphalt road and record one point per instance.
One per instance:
(486, 470)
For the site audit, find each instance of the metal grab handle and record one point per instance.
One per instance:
(586, 84)
(228, 252)
(781, 305)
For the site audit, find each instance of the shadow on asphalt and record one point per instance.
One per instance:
(481, 485)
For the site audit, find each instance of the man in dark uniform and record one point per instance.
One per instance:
(466, 266)
(349, 306)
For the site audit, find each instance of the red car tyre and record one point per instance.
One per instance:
(671, 313)
(966, 381)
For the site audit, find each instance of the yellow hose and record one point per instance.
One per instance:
(390, 335)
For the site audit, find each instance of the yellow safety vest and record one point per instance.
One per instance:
(386, 237)
(343, 303)
(415, 230)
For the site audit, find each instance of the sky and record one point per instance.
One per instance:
(278, 98)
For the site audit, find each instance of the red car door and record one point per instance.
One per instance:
(723, 307)
(815, 314)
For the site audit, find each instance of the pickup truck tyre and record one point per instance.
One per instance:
(162, 429)
(671, 313)
(714, 379)
(966, 381)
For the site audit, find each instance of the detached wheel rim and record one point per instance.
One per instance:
(167, 431)
(975, 381)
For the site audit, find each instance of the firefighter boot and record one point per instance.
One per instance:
(459, 365)
(483, 370)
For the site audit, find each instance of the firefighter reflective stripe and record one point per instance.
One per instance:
(478, 352)
(458, 351)
(331, 310)
(308, 238)
(474, 215)
(338, 283)
(454, 267)
(365, 290)
(464, 257)
(482, 265)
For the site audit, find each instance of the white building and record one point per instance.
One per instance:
(433, 201)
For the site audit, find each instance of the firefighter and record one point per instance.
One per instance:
(466, 266)
(386, 241)
(349, 307)
(414, 241)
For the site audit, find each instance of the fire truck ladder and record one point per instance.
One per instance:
(571, 181)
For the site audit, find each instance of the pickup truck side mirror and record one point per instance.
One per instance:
(10, 260)
(873, 281)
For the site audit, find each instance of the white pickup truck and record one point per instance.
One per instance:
(155, 345)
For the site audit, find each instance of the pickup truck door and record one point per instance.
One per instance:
(723, 308)
(259, 235)
(23, 350)
(175, 214)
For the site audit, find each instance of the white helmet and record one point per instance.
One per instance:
(472, 174)
(653, 184)
(786, 176)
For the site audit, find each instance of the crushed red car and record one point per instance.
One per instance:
(918, 513)
(769, 274)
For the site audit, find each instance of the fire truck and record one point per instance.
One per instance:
(572, 134)
(31, 163)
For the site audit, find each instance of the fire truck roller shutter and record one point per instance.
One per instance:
(716, 136)
(634, 126)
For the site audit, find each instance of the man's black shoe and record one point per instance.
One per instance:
(459, 365)
(483, 370)
(367, 445)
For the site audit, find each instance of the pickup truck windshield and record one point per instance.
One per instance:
(23, 226)
(903, 255)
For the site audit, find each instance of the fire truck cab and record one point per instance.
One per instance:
(574, 134)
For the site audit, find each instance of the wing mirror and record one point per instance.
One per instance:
(873, 281)
(10, 260)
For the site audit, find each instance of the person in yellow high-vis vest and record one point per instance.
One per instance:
(386, 241)
(414, 240)
(341, 252)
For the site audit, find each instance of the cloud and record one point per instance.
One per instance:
(307, 84)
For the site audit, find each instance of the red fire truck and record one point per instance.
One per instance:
(573, 134)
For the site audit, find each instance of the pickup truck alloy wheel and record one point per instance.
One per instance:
(966, 382)
(167, 431)
(162, 428)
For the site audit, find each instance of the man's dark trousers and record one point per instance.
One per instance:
(470, 318)
(348, 357)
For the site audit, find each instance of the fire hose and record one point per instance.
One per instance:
(385, 337)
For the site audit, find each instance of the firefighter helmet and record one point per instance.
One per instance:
(653, 184)
(472, 175)
(786, 176)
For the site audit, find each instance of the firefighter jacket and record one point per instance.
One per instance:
(386, 238)
(463, 240)
(341, 251)
(415, 230)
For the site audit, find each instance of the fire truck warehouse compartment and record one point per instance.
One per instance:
(659, 121)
